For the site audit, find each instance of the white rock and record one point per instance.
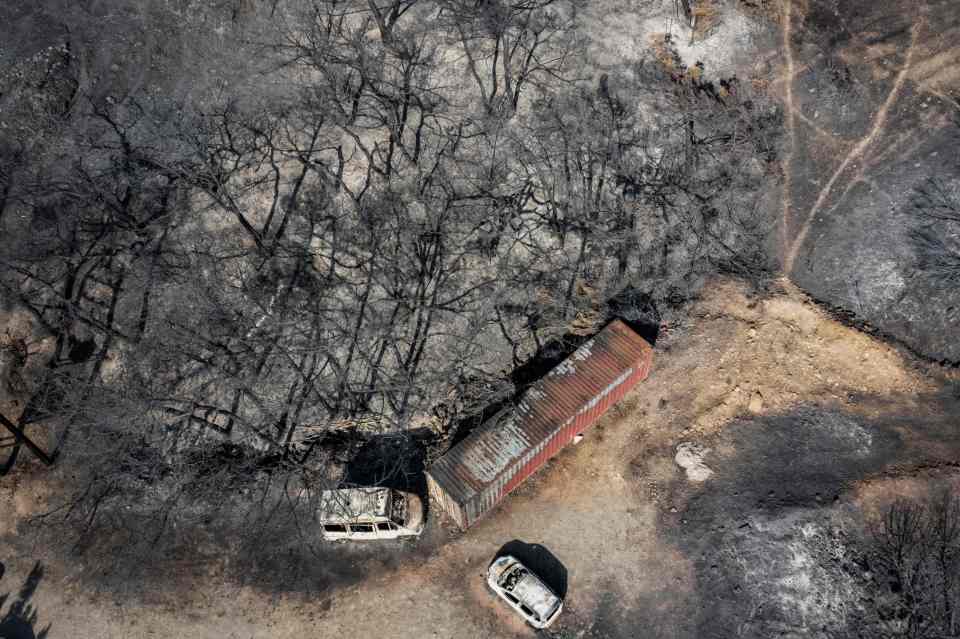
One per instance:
(690, 458)
(756, 402)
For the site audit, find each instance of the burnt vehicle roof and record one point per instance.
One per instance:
(535, 595)
(351, 504)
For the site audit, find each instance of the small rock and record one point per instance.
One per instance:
(756, 402)
(690, 457)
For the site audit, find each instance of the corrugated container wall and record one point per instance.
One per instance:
(476, 474)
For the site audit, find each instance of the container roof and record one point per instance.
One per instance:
(595, 368)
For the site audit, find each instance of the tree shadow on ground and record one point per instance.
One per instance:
(638, 311)
(541, 561)
(393, 461)
(8, 457)
(20, 619)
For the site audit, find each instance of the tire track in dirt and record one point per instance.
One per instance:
(830, 137)
(791, 127)
(857, 152)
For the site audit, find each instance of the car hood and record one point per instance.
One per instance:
(536, 596)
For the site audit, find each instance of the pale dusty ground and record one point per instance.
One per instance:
(622, 32)
(595, 507)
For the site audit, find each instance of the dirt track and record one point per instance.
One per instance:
(870, 93)
(615, 510)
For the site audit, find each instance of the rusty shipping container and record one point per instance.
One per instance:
(476, 474)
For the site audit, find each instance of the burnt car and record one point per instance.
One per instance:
(369, 513)
(524, 591)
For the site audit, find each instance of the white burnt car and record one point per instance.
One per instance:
(369, 513)
(524, 591)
